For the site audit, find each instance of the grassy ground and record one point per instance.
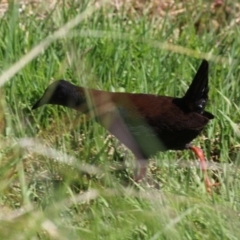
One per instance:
(63, 177)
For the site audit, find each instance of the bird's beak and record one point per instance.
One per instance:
(38, 104)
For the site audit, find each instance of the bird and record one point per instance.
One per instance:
(144, 123)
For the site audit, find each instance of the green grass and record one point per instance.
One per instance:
(63, 177)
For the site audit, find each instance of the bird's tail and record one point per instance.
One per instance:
(197, 94)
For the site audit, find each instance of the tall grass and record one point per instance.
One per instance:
(64, 177)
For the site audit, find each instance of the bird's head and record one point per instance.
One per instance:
(59, 92)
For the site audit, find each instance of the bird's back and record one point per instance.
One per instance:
(151, 118)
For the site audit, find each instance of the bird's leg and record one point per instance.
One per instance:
(199, 153)
(141, 170)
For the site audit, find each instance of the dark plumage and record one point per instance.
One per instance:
(144, 123)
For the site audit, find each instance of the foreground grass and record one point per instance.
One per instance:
(63, 177)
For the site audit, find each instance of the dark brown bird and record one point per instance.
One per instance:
(144, 123)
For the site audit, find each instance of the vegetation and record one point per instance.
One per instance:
(64, 177)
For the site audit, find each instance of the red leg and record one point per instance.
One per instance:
(199, 153)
